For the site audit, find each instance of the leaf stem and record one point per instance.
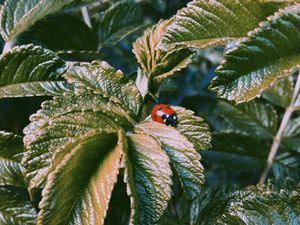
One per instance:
(277, 139)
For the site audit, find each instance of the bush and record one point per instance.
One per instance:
(92, 154)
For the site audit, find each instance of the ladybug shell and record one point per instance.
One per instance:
(164, 114)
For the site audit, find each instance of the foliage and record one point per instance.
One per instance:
(92, 152)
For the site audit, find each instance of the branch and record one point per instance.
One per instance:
(277, 139)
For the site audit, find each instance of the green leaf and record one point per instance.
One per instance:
(120, 20)
(264, 208)
(78, 189)
(65, 119)
(204, 24)
(180, 150)
(210, 205)
(254, 118)
(11, 151)
(193, 127)
(18, 16)
(270, 52)
(280, 93)
(61, 32)
(291, 135)
(148, 178)
(287, 164)
(237, 152)
(102, 78)
(158, 64)
(31, 71)
(276, 203)
(15, 208)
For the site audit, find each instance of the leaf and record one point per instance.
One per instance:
(65, 119)
(158, 64)
(78, 189)
(237, 152)
(102, 78)
(120, 20)
(31, 71)
(270, 52)
(210, 204)
(204, 24)
(280, 93)
(148, 177)
(180, 150)
(193, 127)
(291, 135)
(11, 149)
(264, 208)
(287, 164)
(18, 16)
(15, 208)
(252, 205)
(254, 118)
(61, 32)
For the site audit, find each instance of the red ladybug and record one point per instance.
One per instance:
(164, 114)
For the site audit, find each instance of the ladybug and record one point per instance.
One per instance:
(164, 114)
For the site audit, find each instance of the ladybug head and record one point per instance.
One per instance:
(172, 120)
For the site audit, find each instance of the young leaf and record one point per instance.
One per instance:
(158, 64)
(254, 118)
(269, 53)
(15, 208)
(61, 32)
(180, 150)
(11, 150)
(280, 93)
(78, 189)
(18, 16)
(31, 71)
(120, 20)
(148, 178)
(65, 119)
(204, 24)
(102, 78)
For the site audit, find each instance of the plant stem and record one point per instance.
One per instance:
(86, 17)
(277, 139)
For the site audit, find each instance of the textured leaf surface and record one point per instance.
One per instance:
(156, 63)
(207, 23)
(281, 92)
(78, 189)
(272, 204)
(264, 208)
(61, 32)
(28, 71)
(123, 18)
(253, 118)
(185, 159)
(193, 127)
(148, 178)
(18, 16)
(15, 208)
(287, 164)
(102, 78)
(269, 53)
(291, 135)
(11, 150)
(65, 119)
